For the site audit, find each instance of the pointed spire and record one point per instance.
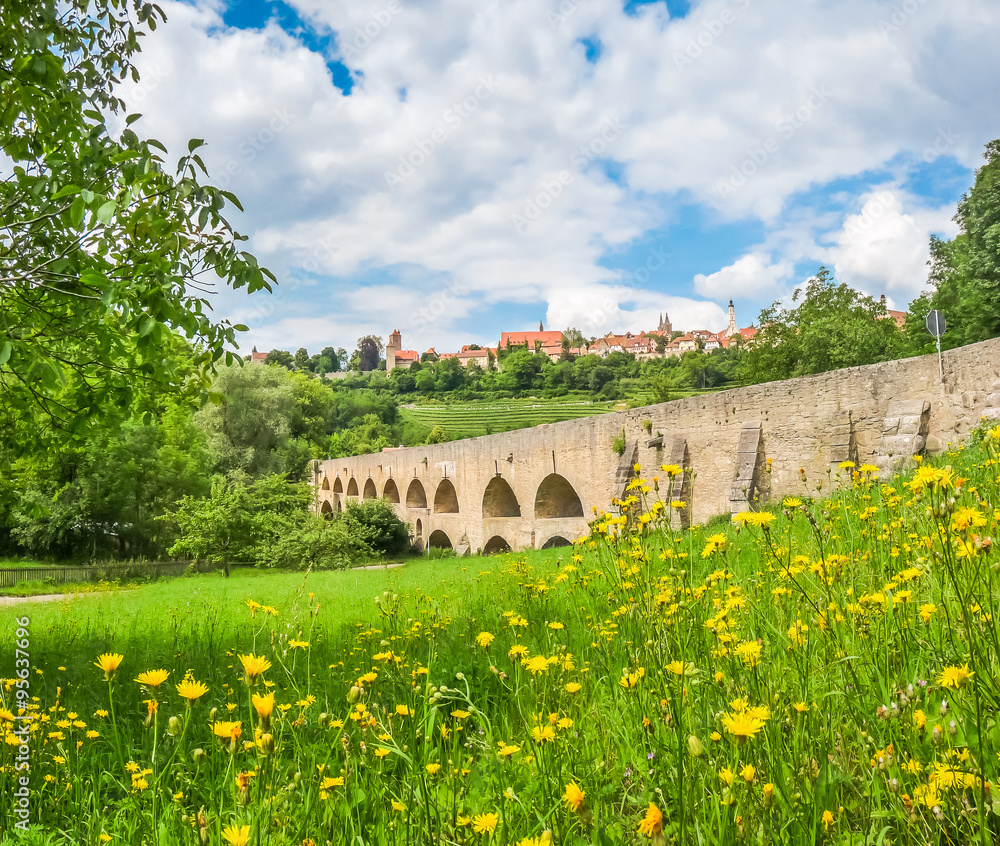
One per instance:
(540, 327)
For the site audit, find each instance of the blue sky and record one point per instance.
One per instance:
(455, 169)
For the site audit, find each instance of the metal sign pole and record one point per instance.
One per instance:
(936, 325)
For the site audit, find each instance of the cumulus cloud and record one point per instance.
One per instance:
(884, 248)
(752, 276)
(481, 153)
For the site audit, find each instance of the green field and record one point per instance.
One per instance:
(472, 419)
(823, 671)
(469, 420)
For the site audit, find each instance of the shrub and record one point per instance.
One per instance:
(317, 543)
(375, 522)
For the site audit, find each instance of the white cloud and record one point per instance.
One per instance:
(500, 146)
(884, 248)
(752, 276)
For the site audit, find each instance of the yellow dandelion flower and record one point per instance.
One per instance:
(236, 835)
(485, 823)
(954, 677)
(652, 823)
(254, 665)
(190, 689)
(153, 678)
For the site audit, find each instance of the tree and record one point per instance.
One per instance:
(572, 337)
(249, 429)
(832, 326)
(368, 353)
(104, 253)
(374, 521)
(282, 358)
(523, 366)
(965, 272)
(301, 359)
(238, 519)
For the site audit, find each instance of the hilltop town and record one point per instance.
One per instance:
(663, 342)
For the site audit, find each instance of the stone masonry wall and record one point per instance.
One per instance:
(805, 423)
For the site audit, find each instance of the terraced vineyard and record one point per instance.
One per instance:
(469, 420)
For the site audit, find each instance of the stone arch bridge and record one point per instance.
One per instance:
(536, 488)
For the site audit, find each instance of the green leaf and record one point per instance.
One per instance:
(107, 211)
(5, 352)
(146, 325)
(76, 211)
(194, 144)
(65, 191)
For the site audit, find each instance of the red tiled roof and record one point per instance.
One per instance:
(519, 339)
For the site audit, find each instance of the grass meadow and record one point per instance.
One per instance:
(824, 670)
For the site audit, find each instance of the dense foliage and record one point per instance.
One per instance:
(965, 271)
(830, 326)
(105, 254)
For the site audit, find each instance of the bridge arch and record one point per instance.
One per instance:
(352, 487)
(391, 492)
(556, 542)
(371, 492)
(556, 497)
(446, 498)
(415, 495)
(338, 486)
(499, 499)
(326, 484)
(326, 509)
(496, 544)
(439, 540)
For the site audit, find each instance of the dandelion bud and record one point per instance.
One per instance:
(894, 785)
(354, 694)
(460, 676)
(695, 747)
(198, 756)
(297, 777)
(267, 743)
(323, 719)
(173, 726)
(944, 707)
(213, 714)
(952, 728)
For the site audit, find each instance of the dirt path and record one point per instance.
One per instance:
(45, 597)
(55, 597)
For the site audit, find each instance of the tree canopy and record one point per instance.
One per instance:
(831, 326)
(106, 253)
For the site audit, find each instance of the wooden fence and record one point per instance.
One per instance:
(10, 576)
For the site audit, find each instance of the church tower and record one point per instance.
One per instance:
(664, 325)
(732, 328)
(395, 345)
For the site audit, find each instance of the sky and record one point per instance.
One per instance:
(457, 168)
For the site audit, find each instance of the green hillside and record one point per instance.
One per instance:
(469, 420)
